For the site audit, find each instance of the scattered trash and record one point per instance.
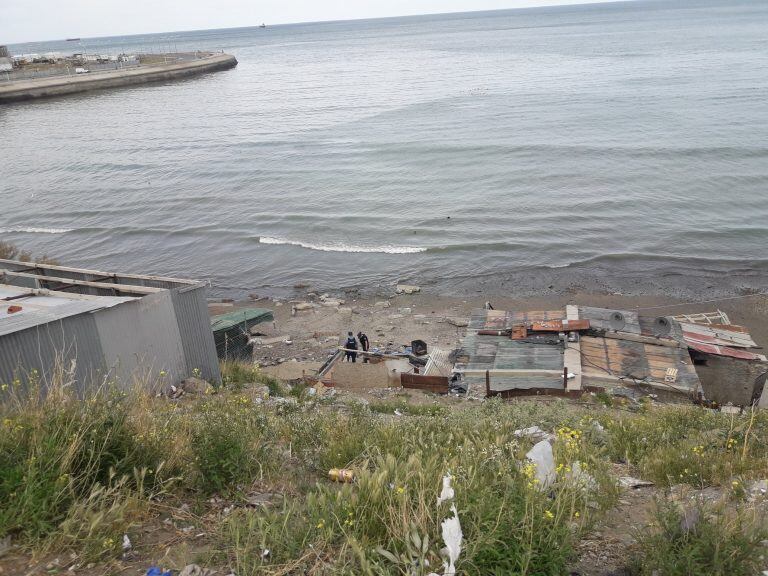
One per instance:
(397, 412)
(452, 536)
(634, 483)
(730, 409)
(533, 432)
(155, 571)
(265, 553)
(341, 475)
(447, 492)
(542, 457)
(580, 478)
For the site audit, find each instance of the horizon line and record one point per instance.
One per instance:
(334, 21)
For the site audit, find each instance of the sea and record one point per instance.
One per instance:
(618, 147)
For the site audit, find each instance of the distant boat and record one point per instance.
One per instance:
(73, 39)
(263, 25)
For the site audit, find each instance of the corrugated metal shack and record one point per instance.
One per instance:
(232, 332)
(581, 348)
(108, 326)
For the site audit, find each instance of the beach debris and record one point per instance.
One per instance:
(634, 483)
(397, 412)
(730, 409)
(407, 289)
(382, 304)
(126, 543)
(447, 492)
(341, 475)
(155, 571)
(544, 460)
(302, 307)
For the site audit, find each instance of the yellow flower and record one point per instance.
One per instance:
(400, 490)
(548, 515)
(576, 514)
(735, 483)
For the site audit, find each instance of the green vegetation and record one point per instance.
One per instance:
(704, 539)
(75, 475)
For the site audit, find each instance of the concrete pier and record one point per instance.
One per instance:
(16, 91)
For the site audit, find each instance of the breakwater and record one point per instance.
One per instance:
(60, 85)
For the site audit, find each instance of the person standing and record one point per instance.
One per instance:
(364, 344)
(350, 352)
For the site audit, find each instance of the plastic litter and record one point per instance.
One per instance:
(447, 492)
(155, 571)
(542, 457)
(451, 528)
(580, 478)
(630, 482)
(341, 475)
(534, 432)
(452, 536)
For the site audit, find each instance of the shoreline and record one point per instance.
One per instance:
(19, 91)
(439, 320)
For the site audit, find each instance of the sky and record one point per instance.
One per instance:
(38, 20)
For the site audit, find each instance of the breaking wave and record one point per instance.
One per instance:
(343, 247)
(35, 230)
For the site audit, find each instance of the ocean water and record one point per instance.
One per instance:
(619, 147)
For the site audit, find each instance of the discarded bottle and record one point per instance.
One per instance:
(341, 475)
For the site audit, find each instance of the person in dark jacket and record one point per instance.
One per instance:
(351, 345)
(364, 344)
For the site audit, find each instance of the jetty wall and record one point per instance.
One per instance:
(60, 85)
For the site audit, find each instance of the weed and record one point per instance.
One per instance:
(705, 539)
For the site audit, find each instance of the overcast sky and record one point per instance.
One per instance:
(35, 20)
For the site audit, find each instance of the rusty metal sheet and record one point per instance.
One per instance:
(726, 351)
(703, 334)
(436, 384)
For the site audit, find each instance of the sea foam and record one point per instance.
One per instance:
(341, 247)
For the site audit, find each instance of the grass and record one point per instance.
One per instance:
(75, 475)
(711, 539)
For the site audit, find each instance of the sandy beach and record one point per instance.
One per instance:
(392, 320)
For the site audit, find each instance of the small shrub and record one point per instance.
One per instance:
(236, 374)
(228, 443)
(720, 542)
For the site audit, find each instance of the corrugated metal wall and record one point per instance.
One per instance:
(47, 346)
(195, 329)
(141, 339)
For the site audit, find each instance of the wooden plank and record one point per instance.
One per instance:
(437, 384)
(511, 372)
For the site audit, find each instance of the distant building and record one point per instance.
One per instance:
(103, 326)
